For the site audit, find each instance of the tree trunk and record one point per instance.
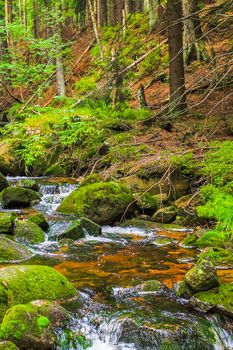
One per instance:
(36, 18)
(120, 7)
(176, 62)
(25, 14)
(103, 13)
(112, 13)
(194, 45)
(8, 21)
(61, 90)
(93, 19)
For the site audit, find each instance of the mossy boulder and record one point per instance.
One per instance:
(12, 251)
(145, 202)
(29, 232)
(29, 184)
(55, 170)
(91, 179)
(91, 227)
(213, 239)
(21, 284)
(165, 215)
(218, 256)
(202, 276)
(40, 220)
(16, 197)
(31, 326)
(7, 223)
(74, 231)
(219, 299)
(162, 240)
(8, 345)
(3, 182)
(102, 202)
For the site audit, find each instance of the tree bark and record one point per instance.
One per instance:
(36, 23)
(8, 21)
(112, 13)
(61, 90)
(194, 45)
(103, 13)
(93, 19)
(176, 63)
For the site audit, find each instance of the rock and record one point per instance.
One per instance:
(152, 286)
(74, 231)
(7, 345)
(28, 232)
(31, 326)
(12, 251)
(219, 299)
(91, 227)
(40, 220)
(28, 184)
(16, 197)
(183, 290)
(218, 256)
(161, 198)
(102, 202)
(21, 284)
(91, 179)
(55, 170)
(7, 223)
(145, 203)
(160, 241)
(165, 215)
(3, 182)
(202, 276)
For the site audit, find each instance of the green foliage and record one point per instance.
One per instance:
(213, 238)
(69, 339)
(85, 84)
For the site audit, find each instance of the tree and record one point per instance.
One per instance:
(152, 7)
(176, 62)
(194, 43)
(8, 22)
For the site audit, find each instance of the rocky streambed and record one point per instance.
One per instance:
(125, 276)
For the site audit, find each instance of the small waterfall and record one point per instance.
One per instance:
(224, 338)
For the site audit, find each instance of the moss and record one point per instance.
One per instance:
(152, 286)
(213, 239)
(7, 222)
(40, 220)
(7, 345)
(22, 284)
(218, 256)
(91, 227)
(220, 297)
(12, 251)
(29, 232)
(43, 321)
(146, 202)
(162, 241)
(29, 184)
(74, 231)
(190, 240)
(55, 170)
(102, 202)
(165, 215)
(91, 179)
(3, 182)
(16, 197)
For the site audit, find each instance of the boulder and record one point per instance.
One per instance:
(40, 220)
(102, 202)
(3, 182)
(91, 227)
(28, 232)
(16, 197)
(31, 326)
(21, 284)
(7, 345)
(145, 202)
(12, 251)
(7, 223)
(29, 184)
(74, 231)
(165, 215)
(219, 299)
(55, 170)
(202, 276)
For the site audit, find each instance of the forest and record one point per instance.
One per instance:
(116, 174)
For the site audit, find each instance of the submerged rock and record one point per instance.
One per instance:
(74, 231)
(7, 345)
(29, 184)
(31, 326)
(7, 223)
(12, 251)
(16, 197)
(165, 215)
(22, 284)
(219, 299)
(3, 182)
(29, 232)
(40, 220)
(102, 202)
(91, 227)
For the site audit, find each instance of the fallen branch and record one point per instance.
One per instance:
(9, 92)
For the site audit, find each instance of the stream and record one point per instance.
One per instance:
(115, 315)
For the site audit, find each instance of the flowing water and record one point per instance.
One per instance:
(115, 315)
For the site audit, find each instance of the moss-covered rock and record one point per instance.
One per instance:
(220, 299)
(22, 284)
(29, 232)
(190, 240)
(74, 231)
(29, 184)
(91, 179)
(160, 241)
(218, 256)
(151, 286)
(31, 326)
(3, 182)
(12, 251)
(91, 227)
(165, 215)
(213, 239)
(16, 197)
(102, 202)
(55, 170)
(40, 220)
(202, 276)
(7, 345)
(183, 290)
(145, 202)
(7, 223)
